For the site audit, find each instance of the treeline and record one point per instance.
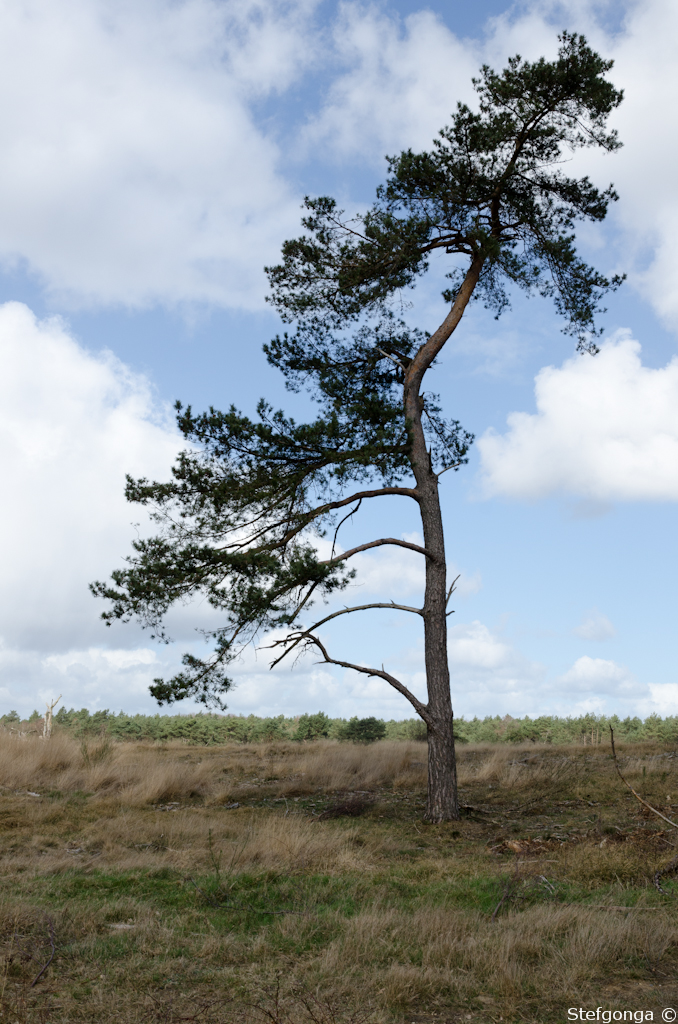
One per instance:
(207, 729)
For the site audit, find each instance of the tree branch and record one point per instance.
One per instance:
(421, 709)
(377, 544)
(392, 358)
(341, 523)
(306, 633)
(408, 492)
(451, 591)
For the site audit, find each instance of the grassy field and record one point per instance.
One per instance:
(298, 883)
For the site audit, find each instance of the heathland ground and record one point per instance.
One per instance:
(297, 882)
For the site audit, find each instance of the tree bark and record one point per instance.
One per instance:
(442, 799)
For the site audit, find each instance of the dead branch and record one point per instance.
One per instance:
(295, 638)
(629, 786)
(341, 523)
(47, 726)
(421, 709)
(50, 932)
(670, 869)
(452, 589)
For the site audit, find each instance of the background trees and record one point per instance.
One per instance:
(237, 520)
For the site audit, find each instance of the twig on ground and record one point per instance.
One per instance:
(529, 884)
(629, 786)
(50, 932)
(506, 896)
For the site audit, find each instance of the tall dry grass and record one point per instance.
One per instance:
(145, 773)
(550, 955)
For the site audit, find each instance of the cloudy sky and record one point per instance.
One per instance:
(154, 158)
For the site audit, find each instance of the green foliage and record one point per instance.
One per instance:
(208, 729)
(313, 727)
(407, 729)
(363, 730)
(491, 192)
(35, 716)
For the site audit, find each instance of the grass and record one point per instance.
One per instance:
(322, 897)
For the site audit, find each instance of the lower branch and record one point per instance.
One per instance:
(304, 634)
(421, 709)
(378, 544)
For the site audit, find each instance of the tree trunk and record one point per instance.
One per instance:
(442, 800)
(47, 726)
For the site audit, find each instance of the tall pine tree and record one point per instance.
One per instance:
(237, 519)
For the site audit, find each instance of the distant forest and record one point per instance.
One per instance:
(207, 729)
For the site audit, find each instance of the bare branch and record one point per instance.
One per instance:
(50, 932)
(453, 465)
(364, 607)
(393, 360)
(452, 589)
(304, 600)
(293, 640)
(449, 595)
(342, 521)
(421, 709)
(377, 544)
(321, 510)
(408, 492)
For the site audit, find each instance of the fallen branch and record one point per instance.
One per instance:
(50, 931)
(629, 786)
(670, 869)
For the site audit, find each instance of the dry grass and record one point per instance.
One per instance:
(145, 773)
(168, 904)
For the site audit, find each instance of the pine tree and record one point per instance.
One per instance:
(236, 522)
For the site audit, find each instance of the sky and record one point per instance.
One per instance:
(155, 156)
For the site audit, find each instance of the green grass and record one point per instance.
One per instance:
(229, 916)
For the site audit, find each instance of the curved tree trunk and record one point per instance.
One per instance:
(442, 800)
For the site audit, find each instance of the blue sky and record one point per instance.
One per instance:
(155, 158)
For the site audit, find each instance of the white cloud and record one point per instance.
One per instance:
(132, 169)
(595, 626)
(396, 573)
(598, 676)
(643, 171)
(138, 166)
(389, 90)
(71, 425)
(663, 700)
(488, 671)
(606, 428)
